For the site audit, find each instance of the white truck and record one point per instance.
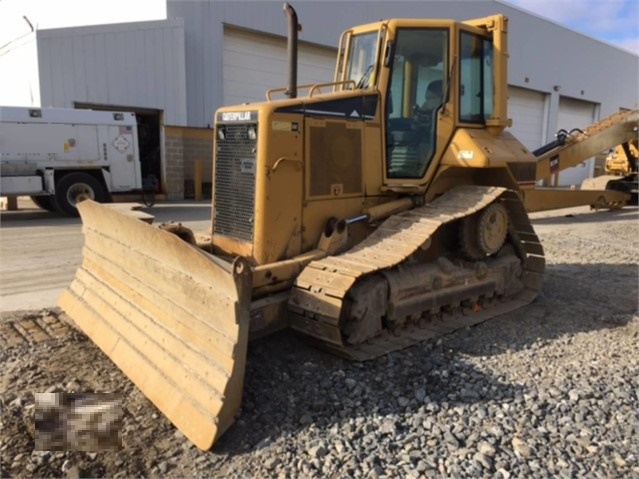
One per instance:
(60, 156)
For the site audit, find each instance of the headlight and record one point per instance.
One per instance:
(251, 132)
(221, 133)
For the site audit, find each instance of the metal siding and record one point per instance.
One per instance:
(208, 19)
(44, 64)
(160, 93)
(170, 71)
(57, 74)
(137, 64)
(122, 64)
(78, 67)
(194, 56)
(177, 41)
(121, 55)
(65, 61)
(100, 88)
(90, 65)
(118, 88)
(152, 77)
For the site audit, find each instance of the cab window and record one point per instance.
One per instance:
(362, 55)
(416, 92)
(476, 78)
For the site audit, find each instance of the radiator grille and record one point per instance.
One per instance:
(235, 183)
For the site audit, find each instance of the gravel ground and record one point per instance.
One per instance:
(550, 390)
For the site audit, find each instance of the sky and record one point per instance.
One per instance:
(612, 21)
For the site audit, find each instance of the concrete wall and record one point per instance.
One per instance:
(138, 65)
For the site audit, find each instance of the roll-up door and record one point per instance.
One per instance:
(575, 114)
(254, 63)
(526, 108)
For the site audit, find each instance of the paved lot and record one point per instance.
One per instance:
(40, 251)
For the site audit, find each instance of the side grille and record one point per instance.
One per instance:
(235, 160)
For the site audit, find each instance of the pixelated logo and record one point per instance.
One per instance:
(78, 421)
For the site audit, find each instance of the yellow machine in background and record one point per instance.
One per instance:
(370, 214)
(622, 170)
(622, 160)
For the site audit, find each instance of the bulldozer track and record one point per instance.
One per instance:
(318, 296)
(32, 330)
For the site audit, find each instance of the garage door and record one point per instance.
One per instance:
(576, 114)
(254, 63)
(526, 108)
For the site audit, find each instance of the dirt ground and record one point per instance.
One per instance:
(39, 352)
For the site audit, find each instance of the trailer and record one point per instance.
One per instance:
(61, 156)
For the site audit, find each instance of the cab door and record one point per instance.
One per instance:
(416, 90)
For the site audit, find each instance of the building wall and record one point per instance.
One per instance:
(544, 56)
(138, 65)
(20, 85)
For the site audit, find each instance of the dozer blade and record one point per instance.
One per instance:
(174, 318)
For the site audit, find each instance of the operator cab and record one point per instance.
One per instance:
(413, 66)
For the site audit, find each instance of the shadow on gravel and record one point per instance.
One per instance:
(575, 298)
(602, 216)
(291, 386)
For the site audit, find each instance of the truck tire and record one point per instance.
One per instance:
(75, 187)
(46, 202)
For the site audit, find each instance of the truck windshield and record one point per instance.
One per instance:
(361, 59)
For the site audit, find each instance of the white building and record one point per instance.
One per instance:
(175, 73)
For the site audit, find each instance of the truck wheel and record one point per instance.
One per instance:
(76, 187)
(44, 202)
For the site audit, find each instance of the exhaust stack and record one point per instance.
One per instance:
(293, 28)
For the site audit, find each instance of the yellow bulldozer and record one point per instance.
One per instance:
(368, 214)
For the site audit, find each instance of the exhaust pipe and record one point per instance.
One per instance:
(291, 47)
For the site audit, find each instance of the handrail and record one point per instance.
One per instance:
(334, 83)
(340, 54)
(311, 86)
